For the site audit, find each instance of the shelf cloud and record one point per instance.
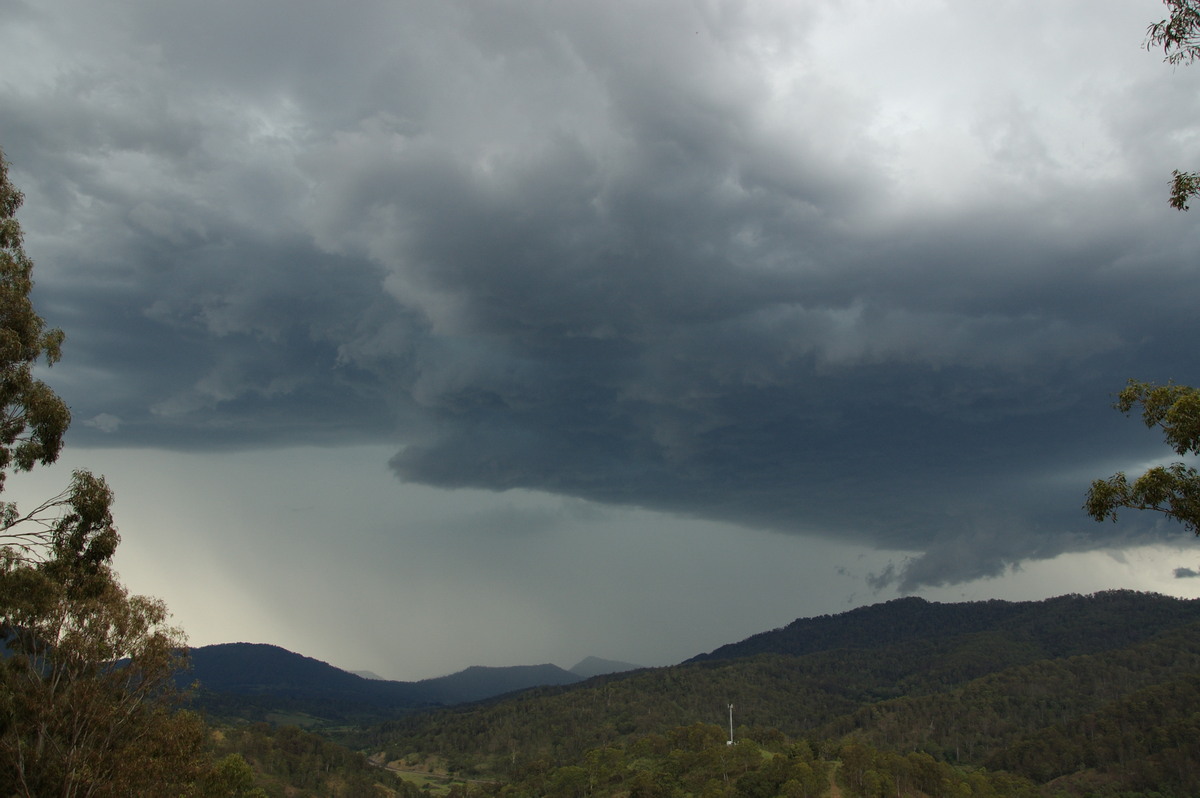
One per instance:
(854, 271)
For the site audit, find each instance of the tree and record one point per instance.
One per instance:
(88, 689)
(1179, 37)
(1179, 34)
(229, 777)
(1173, 489)
(33, 418)
(87, 677)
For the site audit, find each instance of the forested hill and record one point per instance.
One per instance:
(1071, 624)
(991, 678)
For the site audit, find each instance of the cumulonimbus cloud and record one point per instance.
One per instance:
(696, 258)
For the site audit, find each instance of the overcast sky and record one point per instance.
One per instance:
(417, 335)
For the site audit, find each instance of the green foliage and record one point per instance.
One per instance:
(1147, 740)
(868, 772)
(696, 761)
(975, 722)
(1173, 489)
(1175, 409)
(684, 761)
(229, 777)
(261, 760)
(88, 686)
(32, 417)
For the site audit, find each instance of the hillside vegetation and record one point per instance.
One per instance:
(1075, 695)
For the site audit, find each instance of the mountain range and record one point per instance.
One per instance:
(954, 641)
(272, 678)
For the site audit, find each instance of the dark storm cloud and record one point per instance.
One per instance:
(658, 254)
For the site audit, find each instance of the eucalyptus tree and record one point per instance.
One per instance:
(1172, 489)
(34, 419)
(87, 673)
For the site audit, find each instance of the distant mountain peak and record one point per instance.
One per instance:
(484, 681)
(595, 666)
(275, 676)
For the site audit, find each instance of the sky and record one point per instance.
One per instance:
(417, 334)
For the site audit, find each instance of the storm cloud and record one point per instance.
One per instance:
(863, 271)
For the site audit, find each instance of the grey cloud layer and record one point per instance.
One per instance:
(693, 257)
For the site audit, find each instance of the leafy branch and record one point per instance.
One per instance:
(1179, 37)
